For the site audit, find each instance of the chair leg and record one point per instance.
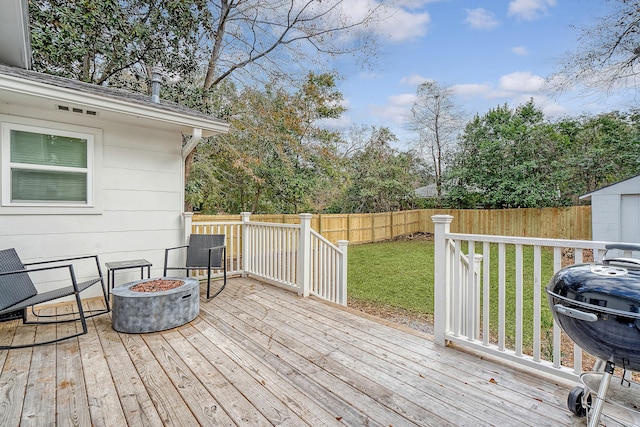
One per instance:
(93, 313)
(209, 284)
(82, 321)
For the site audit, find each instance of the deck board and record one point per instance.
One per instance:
(258, 355)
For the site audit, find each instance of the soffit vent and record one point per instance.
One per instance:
(77, 110)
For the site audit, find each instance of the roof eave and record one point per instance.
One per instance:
(96, 101)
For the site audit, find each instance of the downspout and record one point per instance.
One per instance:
(187, 161)
(196, 137)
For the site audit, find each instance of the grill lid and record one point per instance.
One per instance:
(606, 289)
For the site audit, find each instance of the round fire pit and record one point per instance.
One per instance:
(151, 310)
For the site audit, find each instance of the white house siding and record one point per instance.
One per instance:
(139, 199)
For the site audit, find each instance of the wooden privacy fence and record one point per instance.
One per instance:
(572, 223)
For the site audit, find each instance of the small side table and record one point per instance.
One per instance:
(112, 267)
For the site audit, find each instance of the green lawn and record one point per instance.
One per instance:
(399, 274)
(394, 274)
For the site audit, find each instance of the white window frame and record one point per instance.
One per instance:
(94, 141)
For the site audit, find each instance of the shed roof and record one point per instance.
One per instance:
(627, 186)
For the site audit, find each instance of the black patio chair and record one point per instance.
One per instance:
(204, 252)
(17, 292)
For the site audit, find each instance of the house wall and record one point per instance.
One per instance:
(139, 202)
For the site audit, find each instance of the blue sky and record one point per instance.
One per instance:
(490, 52)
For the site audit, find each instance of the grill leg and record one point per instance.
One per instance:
(594, 415)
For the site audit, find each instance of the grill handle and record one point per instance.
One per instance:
(631, 247)
(576, 314)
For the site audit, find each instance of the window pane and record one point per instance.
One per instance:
(52, 150)
(30, 185)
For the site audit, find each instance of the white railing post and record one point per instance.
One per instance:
(304, 255)
(188, 222)
(342, 280)
(245, 242)
(442, 226)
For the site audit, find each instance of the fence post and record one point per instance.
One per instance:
(342, 280)
(188, 221)
(246, 264)
(442, 225)
(304, 255)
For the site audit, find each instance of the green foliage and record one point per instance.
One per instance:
(276, 159)
(600, 150)
(115, 42)
(507, 159)
(378, 178)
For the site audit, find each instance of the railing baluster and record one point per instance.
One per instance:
(557, 333)
(537, 303)
(519, 298)
(472, 311)
(486, 253)
(501, 295)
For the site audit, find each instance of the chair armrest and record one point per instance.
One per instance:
(166, 258)
(69, 267)
(77, 258)
(61, 260)
(177, 247)
(31, 270)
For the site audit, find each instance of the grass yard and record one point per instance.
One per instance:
(396, 274)
(399, 275)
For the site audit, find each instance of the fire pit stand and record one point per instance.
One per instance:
(139, 312)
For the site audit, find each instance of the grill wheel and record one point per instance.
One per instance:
(575, 404)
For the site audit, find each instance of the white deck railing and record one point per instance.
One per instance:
(290, 255)
(463, 301)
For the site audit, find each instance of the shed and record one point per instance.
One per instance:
(615, 211)
(86, 169)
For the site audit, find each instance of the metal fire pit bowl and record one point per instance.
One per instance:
(140, 312)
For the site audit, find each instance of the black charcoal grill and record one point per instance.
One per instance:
(598, 306)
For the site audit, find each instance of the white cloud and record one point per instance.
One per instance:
(414, 80)
(481, 19)
(402, 25)
(529, 9)
(403, 99)
(520, 50)
(342, 123)
(396, 110)
(472, 89)
(521, 81)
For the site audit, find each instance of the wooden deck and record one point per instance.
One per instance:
(258, 355)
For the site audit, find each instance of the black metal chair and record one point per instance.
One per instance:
(17, 292)
(204, 252)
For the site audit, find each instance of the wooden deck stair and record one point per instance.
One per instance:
(258, 355)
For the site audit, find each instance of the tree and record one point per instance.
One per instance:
(116, 42)
(203, 41)
(276, 159)
(507, 159)
(609, 50)
(599, 151)
(437, 121)
(379, 178)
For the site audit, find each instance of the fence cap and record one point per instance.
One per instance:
(439, 219)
